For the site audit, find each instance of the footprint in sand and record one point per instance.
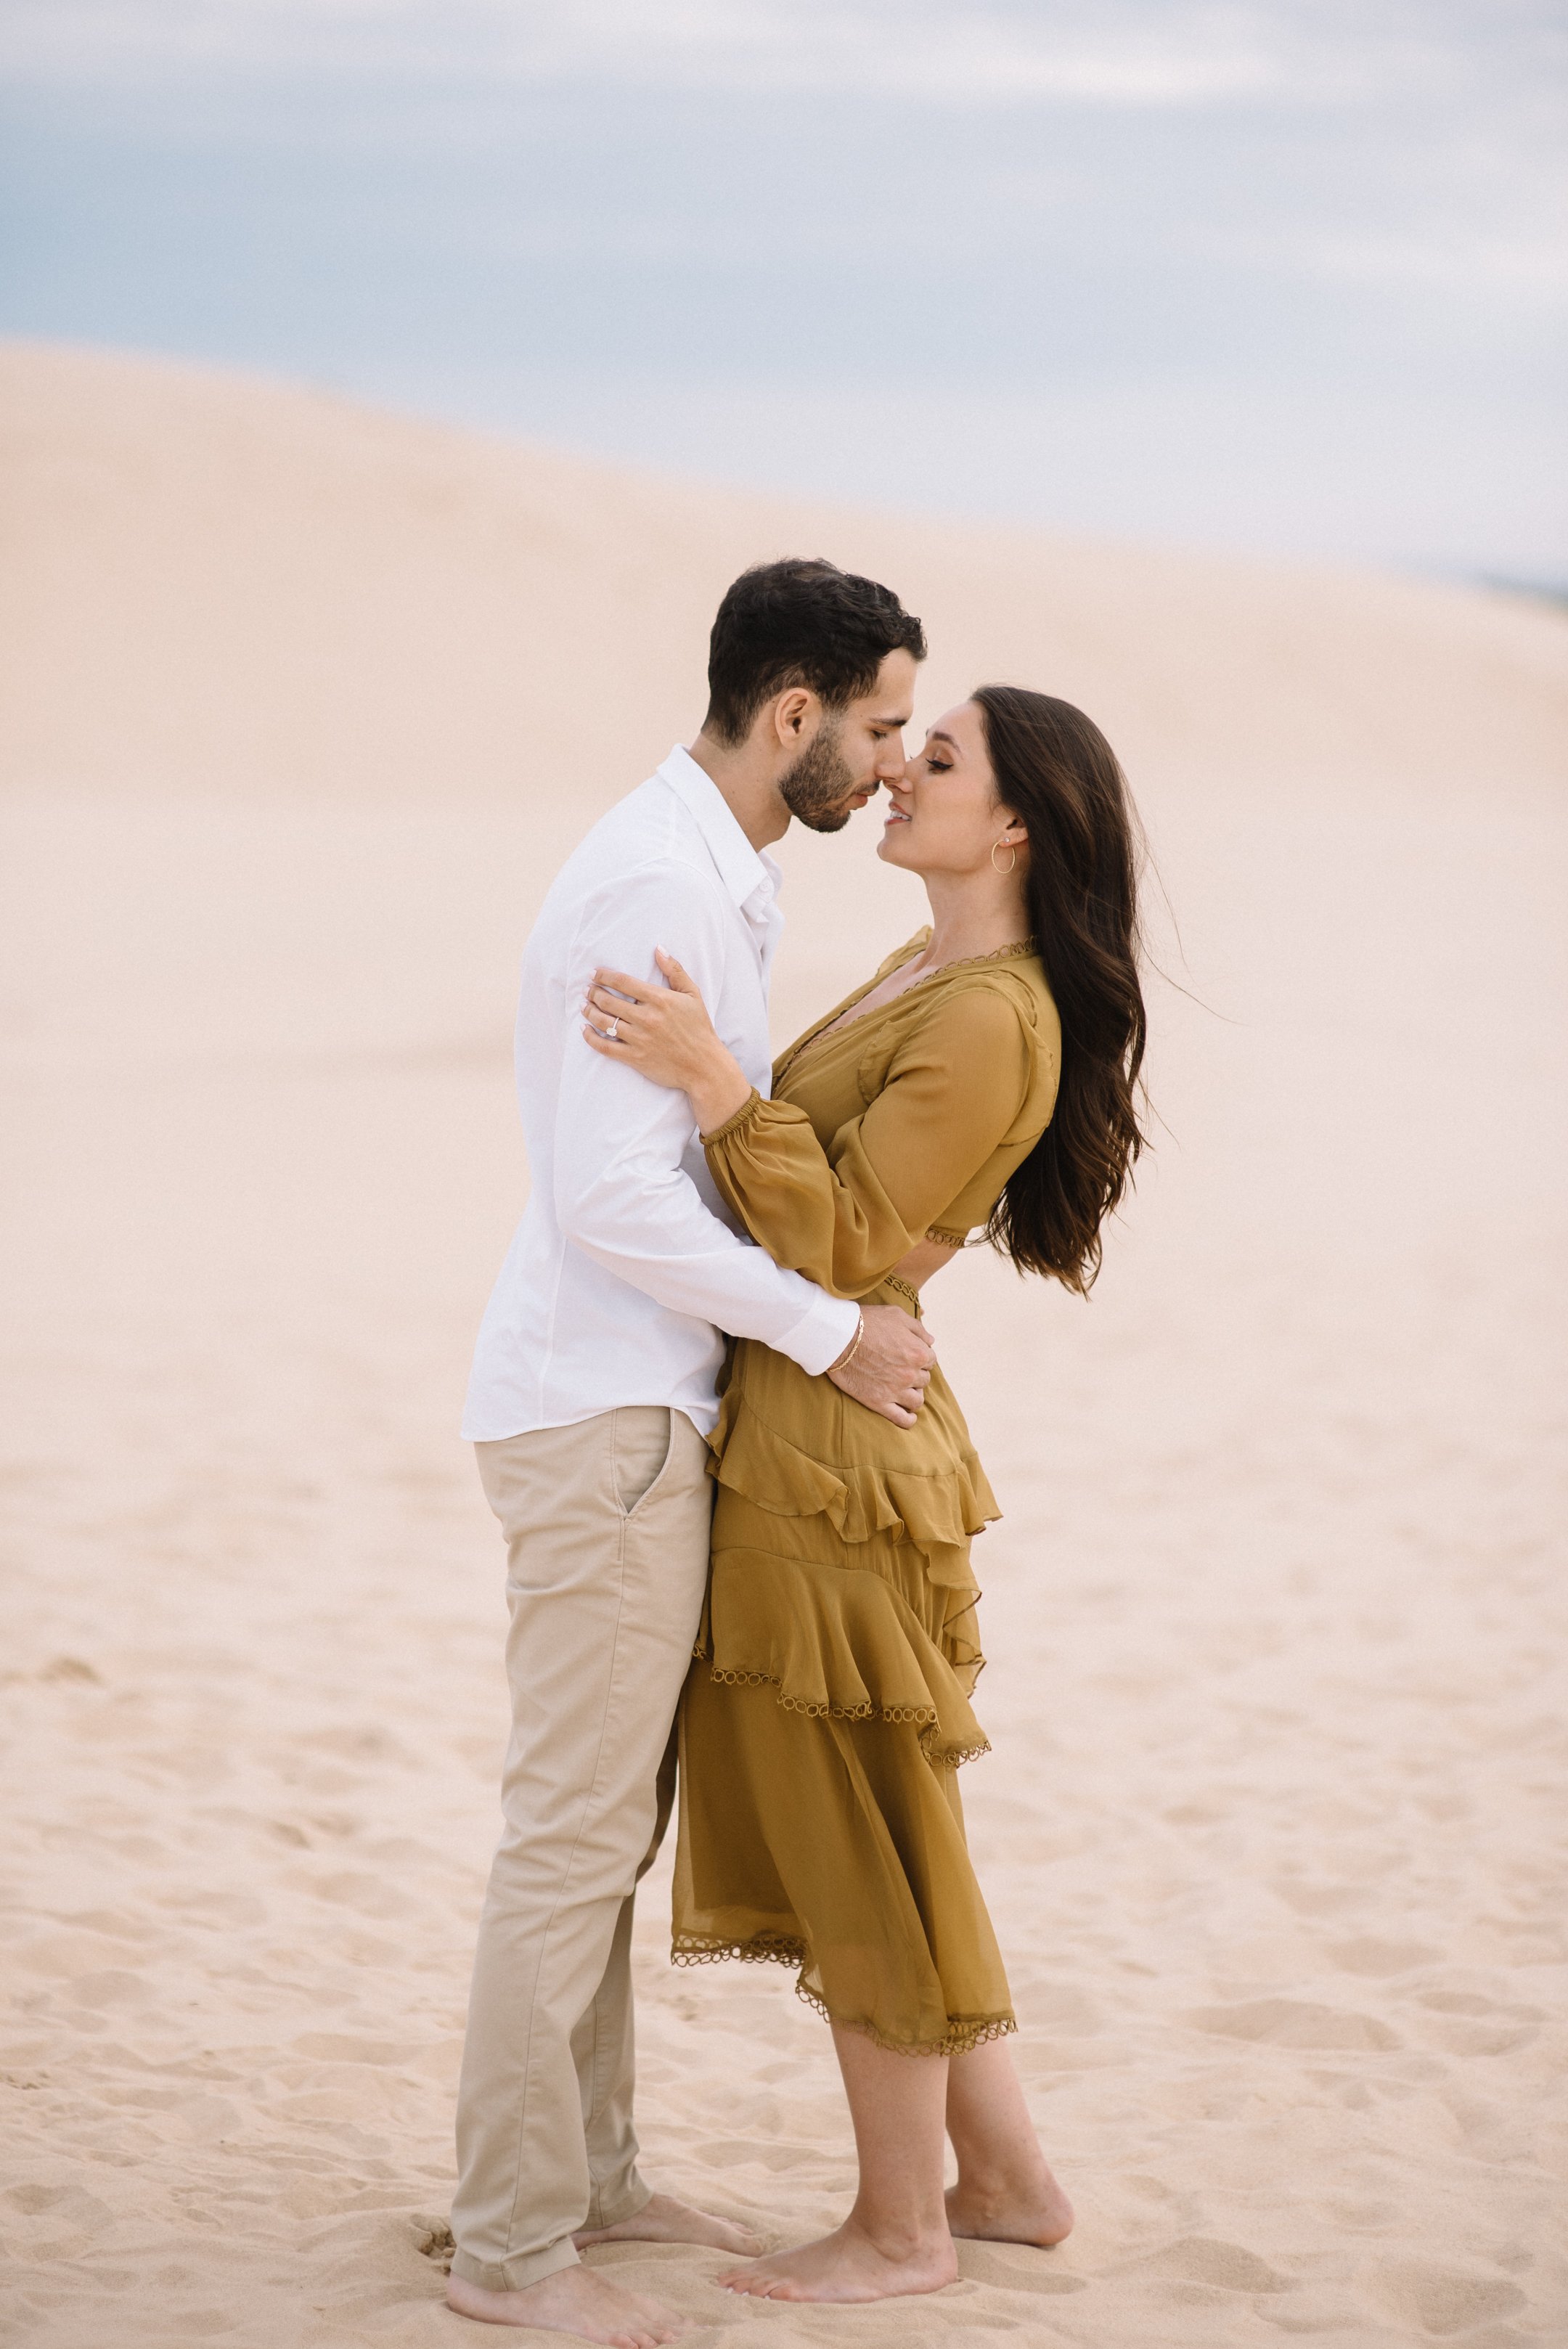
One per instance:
(1015, 2270)
(1443, 2301)
(1295, 2023)
(68, 2223)
(1371, 1957)
(1204, 2260)
(72, 1668)
(1465, 2024)
(1464, 2001)
(433, 2241)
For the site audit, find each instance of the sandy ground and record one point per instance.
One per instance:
(1275, 1822)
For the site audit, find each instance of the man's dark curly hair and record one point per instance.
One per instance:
(800, 622)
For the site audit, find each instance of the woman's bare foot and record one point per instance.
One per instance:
(574, 2301)
(848, 2264)
(1006, 2213)
(665, 2220)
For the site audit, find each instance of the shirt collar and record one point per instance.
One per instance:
(744, 870)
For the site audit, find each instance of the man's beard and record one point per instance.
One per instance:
(819, 786)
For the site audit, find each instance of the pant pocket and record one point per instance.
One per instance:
(639, 1448)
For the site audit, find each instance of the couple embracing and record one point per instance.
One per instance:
(736, 1491)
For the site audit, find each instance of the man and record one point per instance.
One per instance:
(593, 1391)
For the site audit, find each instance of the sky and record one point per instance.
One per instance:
(1288, 278)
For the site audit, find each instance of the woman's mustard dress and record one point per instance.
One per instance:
(828, 1705)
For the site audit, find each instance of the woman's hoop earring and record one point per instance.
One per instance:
(1012, 856)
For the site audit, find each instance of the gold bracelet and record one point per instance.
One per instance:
(845, 1360)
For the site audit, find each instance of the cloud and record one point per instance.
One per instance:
(1134, 55)
(1461, 262)
(1125, 53)
(1130, 55)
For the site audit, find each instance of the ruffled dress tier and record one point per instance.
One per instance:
(828, 1706)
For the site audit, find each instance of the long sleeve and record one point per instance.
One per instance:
(845, 1214)
(622, 1193)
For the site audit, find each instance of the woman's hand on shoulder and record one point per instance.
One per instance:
(664, 1031)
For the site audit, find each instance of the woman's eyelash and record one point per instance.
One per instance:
(940, 766)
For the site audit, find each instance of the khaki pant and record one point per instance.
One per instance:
(607, 1541)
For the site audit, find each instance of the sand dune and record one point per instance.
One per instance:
(301, 705)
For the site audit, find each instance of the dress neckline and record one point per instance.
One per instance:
(836, 1023)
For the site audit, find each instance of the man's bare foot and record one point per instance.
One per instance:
(1003, 2214)
(848, 2265)
(663, 2219)
(573, 2300)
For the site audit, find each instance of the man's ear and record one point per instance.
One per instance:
(792, 714)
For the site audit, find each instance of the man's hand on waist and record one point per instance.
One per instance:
(888, 1366)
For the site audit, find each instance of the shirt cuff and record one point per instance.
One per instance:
(820, 1335)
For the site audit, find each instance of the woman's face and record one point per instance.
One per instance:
(945, 816)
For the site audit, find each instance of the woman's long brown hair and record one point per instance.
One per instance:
(1058, 774)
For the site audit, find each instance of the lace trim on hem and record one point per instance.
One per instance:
(760, 1950)
(965, 2031)
(961, 2039)
(952, 1757)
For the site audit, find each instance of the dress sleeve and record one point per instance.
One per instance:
(845, 1214)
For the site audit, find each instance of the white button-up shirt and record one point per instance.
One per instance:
(627, 1266)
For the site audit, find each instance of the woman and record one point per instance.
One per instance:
(983, 1079)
